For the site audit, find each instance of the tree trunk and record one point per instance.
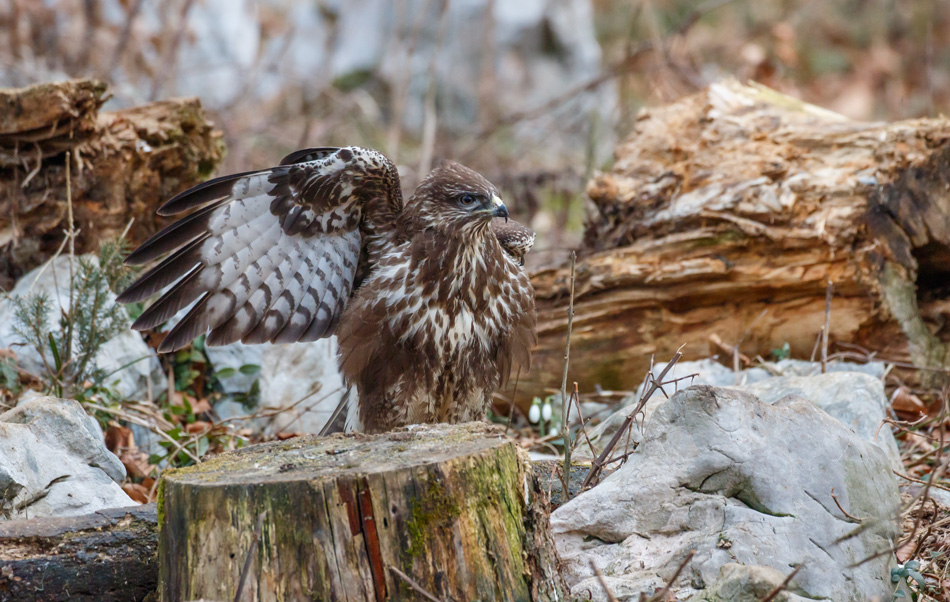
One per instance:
(123, 164)
(727, 213)
(108, 556)
(454, 508)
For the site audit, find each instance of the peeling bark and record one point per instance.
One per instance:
(738, 201)
(123, 165)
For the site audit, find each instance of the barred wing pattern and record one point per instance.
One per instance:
(270, 255)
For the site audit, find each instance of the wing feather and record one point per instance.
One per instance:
(267, 255)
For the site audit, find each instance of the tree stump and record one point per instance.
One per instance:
(456, 509)
(723, 219)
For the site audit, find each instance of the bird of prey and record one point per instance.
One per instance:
(427, 297)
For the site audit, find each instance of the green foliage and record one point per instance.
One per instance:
(196, 391)
(782, 353)
(68, 346)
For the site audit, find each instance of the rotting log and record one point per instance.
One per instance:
(123, 164)
(727, 212)
(107, 556)
(455, 508)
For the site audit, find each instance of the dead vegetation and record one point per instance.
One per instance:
(123, 164)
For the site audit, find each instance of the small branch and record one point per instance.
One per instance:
(600, 579)
(843, 511)
(430, 116)
(583, 425)
(514, 397)
(661, 596)
(130, 16)
(250, 556)
(415, 586)
(928, 483)
(781, 586)
(647, 393)
(170, 56)
(824, 332)
(565, 400)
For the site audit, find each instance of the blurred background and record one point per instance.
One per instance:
(532, 93)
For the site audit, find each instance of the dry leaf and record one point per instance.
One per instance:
(905, 402)
(119, 437)
(137, 492)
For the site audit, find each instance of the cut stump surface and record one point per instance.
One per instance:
(454, 508)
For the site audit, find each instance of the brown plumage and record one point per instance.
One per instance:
(428, 298)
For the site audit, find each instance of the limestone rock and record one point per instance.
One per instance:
(749, 583)
(736, 480)
(288, 374)
(852, 393)
(54, 462)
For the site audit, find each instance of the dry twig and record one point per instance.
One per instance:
(662, 595)
(412, 583)
(565, 401)
(246, 569)
(781, 586)
(600, 579)
(824, 331)
(647, 394)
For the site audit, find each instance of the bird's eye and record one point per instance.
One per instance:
(467, 200)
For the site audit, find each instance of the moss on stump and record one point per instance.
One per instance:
(456, 508)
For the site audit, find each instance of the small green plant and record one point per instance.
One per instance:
(68, 345)
(782, 353)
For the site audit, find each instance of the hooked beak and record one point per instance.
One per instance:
(498, 208)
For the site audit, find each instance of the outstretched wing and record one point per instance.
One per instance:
(269, 255)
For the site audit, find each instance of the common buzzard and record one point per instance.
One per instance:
(428, 298)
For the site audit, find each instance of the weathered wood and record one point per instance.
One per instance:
(456, 508)
(727, 212)
(123, 165)
(108, 556)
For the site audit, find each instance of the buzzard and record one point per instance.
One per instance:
(427, 297)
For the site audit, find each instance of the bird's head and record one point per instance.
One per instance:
(458, 197)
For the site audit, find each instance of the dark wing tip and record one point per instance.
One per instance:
(305, 155)
(206, 192)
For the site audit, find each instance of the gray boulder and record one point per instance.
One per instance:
(54, 462)
(852, 393)
(300, 378)
(129, 363)
(857, 400)
(736, 480)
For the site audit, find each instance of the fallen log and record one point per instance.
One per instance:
(108, 556)
(727, 213)
(123, 164)
(454, 511)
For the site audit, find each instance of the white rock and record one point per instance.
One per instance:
(852, 393)
(289, 374)
(302, 371)
(127, 360)
(235, 356)
(54, 462)
(737, 481)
